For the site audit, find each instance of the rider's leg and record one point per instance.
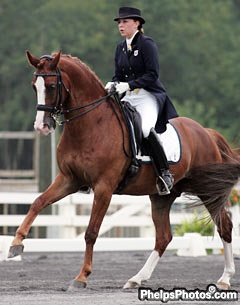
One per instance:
(148, 107)
(160, 163)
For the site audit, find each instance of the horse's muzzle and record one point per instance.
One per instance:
(45, 127)
(50, 122)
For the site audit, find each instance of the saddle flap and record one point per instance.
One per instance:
(171, 143)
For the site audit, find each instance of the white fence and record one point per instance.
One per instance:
(125, 211)
(191, 244)
(21, 179)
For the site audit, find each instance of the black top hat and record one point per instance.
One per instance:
(129, 12)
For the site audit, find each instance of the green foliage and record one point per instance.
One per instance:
(198, 45)
(234, 197)
(198, 224)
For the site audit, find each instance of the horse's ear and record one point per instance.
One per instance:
(33, 61)
(55, 61)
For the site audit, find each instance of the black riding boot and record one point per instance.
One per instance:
(165, 180)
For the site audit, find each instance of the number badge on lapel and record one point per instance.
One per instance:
(135, 53)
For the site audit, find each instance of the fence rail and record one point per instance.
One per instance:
(192, 244)
(20, 179)
(124, 211)
(127, 211)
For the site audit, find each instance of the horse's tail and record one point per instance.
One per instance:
(212, 183)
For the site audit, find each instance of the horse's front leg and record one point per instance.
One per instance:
(60, 188)
(102, 198)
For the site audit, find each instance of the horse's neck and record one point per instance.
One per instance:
(98, 123)
(85, 86)
(94, 124)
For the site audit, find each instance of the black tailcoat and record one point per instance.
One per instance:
(140, 68)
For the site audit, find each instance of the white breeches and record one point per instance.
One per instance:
(147, 105)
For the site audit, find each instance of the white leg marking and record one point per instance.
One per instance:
(145, 273)
(229, 269)
(40, 87)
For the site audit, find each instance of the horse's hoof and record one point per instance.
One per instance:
(76, 286)
(223, 286)
(15, 251)
(131, 284)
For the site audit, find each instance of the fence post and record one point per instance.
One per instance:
(196, 246)
(235, 217)
(68, 210)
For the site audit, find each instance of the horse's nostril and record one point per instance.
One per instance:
(49, 121)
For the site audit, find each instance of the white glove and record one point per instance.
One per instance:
(109, 86)
(122, 87)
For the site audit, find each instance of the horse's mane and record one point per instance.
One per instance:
(81, 64)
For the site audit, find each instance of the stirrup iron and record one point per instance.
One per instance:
(165, 186)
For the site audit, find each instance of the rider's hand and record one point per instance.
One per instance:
(109, 85)
(122, 87)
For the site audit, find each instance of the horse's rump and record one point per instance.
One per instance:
(227, 153)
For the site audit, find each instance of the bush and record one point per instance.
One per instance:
(199, 224)
(234, 197)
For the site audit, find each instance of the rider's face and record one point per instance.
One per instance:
(127, 27)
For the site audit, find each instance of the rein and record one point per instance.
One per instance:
(94, 105)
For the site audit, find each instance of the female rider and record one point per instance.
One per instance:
(136, 75)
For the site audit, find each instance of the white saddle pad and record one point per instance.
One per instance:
(171, 143)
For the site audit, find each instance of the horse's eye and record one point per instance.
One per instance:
(51, 86)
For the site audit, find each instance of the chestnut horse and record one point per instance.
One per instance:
(94, 151)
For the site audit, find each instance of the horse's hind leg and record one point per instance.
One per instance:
(59, 189)
(161, 206)
(229, 269)
(224, 227)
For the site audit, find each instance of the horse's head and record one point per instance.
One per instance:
(47, 83)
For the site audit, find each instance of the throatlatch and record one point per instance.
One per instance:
(165, 180)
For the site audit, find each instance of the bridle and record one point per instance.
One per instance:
(56, 110)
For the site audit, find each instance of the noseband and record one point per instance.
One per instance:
(56, 110)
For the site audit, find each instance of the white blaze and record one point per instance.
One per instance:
(40, 87)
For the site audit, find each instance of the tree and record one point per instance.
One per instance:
(198, 45)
